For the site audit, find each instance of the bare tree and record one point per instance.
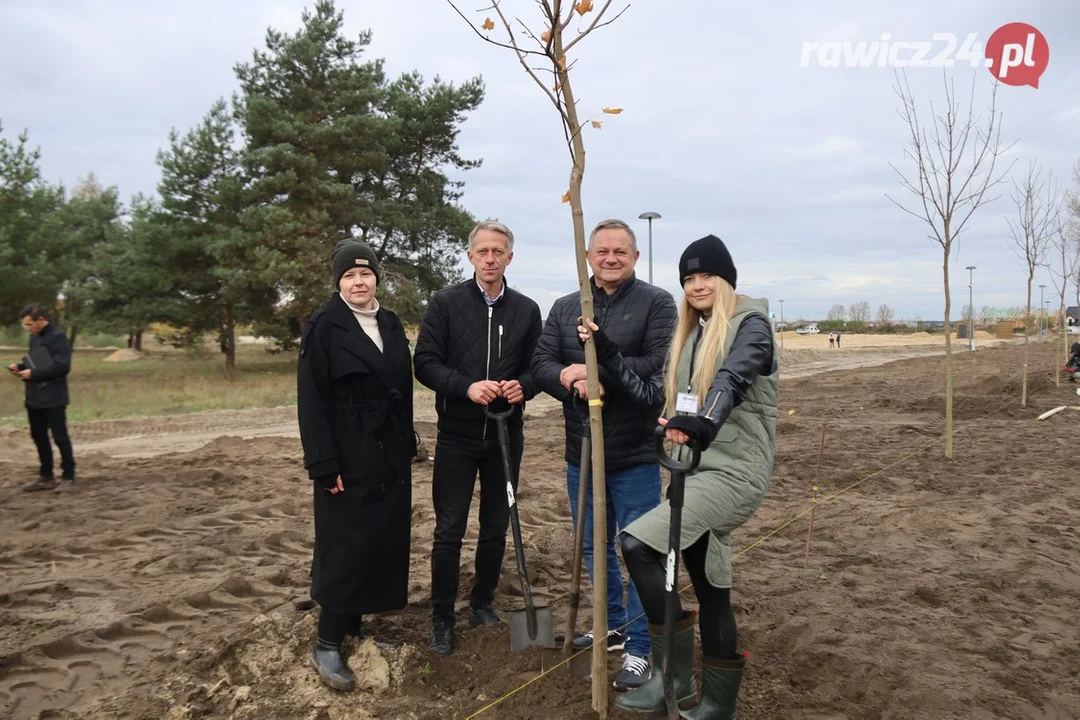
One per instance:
(1031, 231)
(1074, 212)
(550, 47)
(954, 171)
(1062, 271)
(885, 314)
(859, 312)
(837, 313)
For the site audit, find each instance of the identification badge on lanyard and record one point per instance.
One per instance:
(687, 403)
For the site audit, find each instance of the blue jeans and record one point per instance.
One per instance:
(631, 493)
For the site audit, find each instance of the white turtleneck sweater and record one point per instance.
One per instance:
(368, 323)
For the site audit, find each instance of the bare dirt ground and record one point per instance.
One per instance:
(163, 587)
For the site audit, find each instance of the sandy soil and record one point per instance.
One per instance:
(856, 341)
(164, 587)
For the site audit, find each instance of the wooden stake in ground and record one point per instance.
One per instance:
(954, 170)
(551, 47)
(821, 452)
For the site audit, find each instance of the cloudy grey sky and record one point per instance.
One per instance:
(722, 131)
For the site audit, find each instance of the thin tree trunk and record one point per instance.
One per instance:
(948, 354)
(1064, 342)
(596, 426)
(71, 339)
(1027, 332)
(138, 340)
(131, 340)
(230, 341)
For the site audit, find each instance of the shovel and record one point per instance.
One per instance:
(533, 626)
(675, 498)
(579, 527)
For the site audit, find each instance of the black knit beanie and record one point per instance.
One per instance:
(707, 255)
(352, 253)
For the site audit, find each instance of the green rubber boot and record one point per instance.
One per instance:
(649, 698)
(720, 680)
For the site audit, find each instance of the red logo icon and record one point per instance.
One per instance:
(1017, 54)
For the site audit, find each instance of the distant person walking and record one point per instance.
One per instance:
(837, 341)
(832, 339)
(44, 372)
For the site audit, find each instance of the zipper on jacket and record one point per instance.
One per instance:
(487, 370)
(500, 341)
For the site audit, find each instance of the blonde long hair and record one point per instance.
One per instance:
(711, 348)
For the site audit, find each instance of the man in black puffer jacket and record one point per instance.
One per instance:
(474, 348)
(44, 372)
(640, 318)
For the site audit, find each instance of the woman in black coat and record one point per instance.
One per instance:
(355, 409)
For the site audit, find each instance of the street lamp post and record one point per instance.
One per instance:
(1040, 311)
(781, 324)
(971, 312)
(650, 216)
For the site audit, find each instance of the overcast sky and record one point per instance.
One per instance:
(722, 131)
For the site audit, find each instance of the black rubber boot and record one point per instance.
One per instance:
(720, 680)
(649, 698)
(327, 660)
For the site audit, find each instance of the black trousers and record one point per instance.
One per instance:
(458, 460)
(716, 618)
(42, 420)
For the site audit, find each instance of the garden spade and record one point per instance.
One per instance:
(532, 626)
(675, 498)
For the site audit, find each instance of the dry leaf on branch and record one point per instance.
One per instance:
(545, 36)
(612, 111)
(566, 197)
(488, 24)
(597, 124)
(583, 7)
(562, 62)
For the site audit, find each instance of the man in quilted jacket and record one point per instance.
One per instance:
(475, 344)
(640, 318)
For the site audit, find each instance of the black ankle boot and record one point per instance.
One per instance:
(442, 638)
(327, 660)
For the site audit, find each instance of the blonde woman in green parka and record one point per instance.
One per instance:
(719, 389)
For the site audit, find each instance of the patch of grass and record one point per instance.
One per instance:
(166, 382)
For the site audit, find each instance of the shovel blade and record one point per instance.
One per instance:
(519, 629)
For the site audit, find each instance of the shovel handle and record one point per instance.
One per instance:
(675, 499)
(496, 416)
(671, 463)
(515, 524)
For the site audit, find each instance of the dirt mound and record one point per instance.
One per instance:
(163, 586)
(124, 355)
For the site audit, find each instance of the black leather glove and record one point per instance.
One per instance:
(701, 429)
(606, 350)
(327, 481)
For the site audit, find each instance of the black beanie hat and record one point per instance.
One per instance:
(707, 255)
(352, 253)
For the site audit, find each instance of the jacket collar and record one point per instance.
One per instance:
(474, 285)
(356, 341)
(620, 292)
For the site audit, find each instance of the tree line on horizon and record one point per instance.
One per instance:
(316, 145)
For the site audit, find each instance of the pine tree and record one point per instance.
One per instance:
(333, 151)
